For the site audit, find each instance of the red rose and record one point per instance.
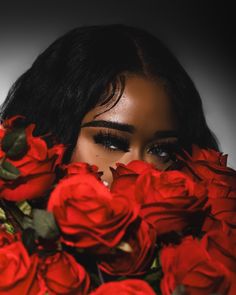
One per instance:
(88, 214)
(36, 168)
(15, 263)
(208, 155)
(125, 287)
(188, 267)
(142, 240)
(81, 168)
(18, 271)
(63, 275)
(133, 167)
(221, 204)
(208, 164)
(125, 176)
(221, 247)
(171, 201)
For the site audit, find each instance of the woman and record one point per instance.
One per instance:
(114, 94)
(114, 87)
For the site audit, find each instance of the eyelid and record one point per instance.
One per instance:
(168, 144)
(170, 147)
(120, 142)
(111, 134)
(169, 140)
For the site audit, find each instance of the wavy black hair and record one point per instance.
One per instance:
(73, 74)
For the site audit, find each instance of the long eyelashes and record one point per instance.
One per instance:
(111, 141)
(166, 150)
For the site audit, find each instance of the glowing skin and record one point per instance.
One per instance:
(146, 107)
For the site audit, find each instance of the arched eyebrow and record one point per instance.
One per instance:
(110, 124)
(128, 128)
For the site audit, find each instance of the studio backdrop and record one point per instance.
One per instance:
(199, 33)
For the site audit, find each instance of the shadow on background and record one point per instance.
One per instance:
(200, 33)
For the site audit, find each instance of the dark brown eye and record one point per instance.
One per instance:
(111, 141)
(164, 151)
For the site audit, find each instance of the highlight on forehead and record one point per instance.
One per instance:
(112, 94)
(116, 88)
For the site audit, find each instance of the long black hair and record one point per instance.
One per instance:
(72, 76)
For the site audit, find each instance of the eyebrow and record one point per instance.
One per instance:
(110, 124)
(128, 128)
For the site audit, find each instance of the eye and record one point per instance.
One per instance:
(111, 142)
(164, 151)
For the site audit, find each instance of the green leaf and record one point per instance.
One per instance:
(155, 263)
(24, 207)
(3, 216)
(14, 144)
(8, 171)
(45, 225)
(9, 228)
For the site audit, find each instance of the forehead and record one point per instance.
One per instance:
(144, 104)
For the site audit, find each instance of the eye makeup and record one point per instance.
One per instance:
(111, 141)
(164, 150)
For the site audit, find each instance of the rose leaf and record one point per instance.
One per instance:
(45, 224)
(8, 171)
(14, 144)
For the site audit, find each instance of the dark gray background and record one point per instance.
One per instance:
(200, 33)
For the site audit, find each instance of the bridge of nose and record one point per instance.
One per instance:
(133, 154)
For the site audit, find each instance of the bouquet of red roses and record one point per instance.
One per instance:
(63, 231)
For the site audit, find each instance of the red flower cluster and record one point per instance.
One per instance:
(170, 201)
(185, 218)
(24, 274)
(204, 266)
(126, 287)
(27, 164)
(88, 215)
(207, 265)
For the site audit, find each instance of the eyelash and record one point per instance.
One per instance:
(107, 139)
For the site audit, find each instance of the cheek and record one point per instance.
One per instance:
(87, 151)
(84, 151)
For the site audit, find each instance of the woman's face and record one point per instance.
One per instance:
(136, 128)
